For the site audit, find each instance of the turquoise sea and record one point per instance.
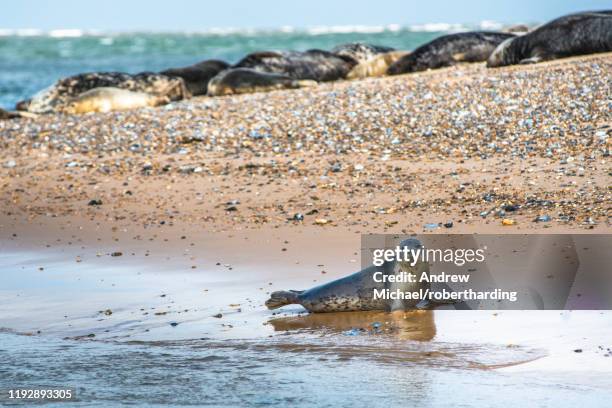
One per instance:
(31, 60)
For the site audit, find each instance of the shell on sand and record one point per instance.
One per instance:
(376, 66)
(107, 99)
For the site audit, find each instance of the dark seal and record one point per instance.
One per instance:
(59, 95)
(198, 75)
(574, 34)
(245, 80)
(448, 50)
(317, 65)
(360, 52)
(356, 292)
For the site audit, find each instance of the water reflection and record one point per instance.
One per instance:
(414, 325)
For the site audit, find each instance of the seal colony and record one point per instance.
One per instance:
(575, 34)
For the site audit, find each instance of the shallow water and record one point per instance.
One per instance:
(252, 357)
(283, 372)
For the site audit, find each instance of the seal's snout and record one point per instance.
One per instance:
(282, 298)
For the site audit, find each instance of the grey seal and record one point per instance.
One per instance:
(107, 99)
(316, 65)
(360, 52)
(198, 75)
(447, 50)
(56, 97)
(356, 292)
(376, 66)
(574, 34)
(245, 80)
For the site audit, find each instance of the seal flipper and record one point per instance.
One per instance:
(282, 298)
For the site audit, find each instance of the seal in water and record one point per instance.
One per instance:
(356, 292)
(197, 76)
(107, 99)
(317, 65)
(375, 67)
(448, 50)
(360, 52)
(57, 96)
(574, 34)
(246, 80)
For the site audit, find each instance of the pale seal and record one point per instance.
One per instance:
(448, 50)
(107, 99)
(198, 75)
(244, 80)
(58, 95)
(316, 65)
(356, 292)
(375, 67)
(360, 52)
(13, 115)
(574, 34)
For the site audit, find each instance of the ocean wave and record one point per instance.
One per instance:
(230, 31)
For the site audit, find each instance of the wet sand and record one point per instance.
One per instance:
(115, 226)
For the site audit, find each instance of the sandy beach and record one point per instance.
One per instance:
(171, 226)
(466, 145)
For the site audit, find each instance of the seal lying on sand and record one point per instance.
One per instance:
(197, 76)
(316, 65)
(57, 96)
(376, 66)
(360, 52)
(245, 80)
(107, 99)
(356, 292)
(448, 50)
(574, 34)
(12, 115)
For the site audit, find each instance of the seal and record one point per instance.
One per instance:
(356, 292)
(107, 99)
(4, 115)
(246, 80)
(574, 34)
(360, 52)
(448, 50)
(58, 95)
(375, 67)
(316, 65)
(198, 75)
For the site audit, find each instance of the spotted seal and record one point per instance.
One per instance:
(246, 80)
(377, 66)
(448, 50)
(107, 99)
(198, 75)
(316, 65)
(574, 34)
(360, 52)
(58, 95)
(356, 292)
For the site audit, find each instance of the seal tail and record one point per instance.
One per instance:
(282, 298)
